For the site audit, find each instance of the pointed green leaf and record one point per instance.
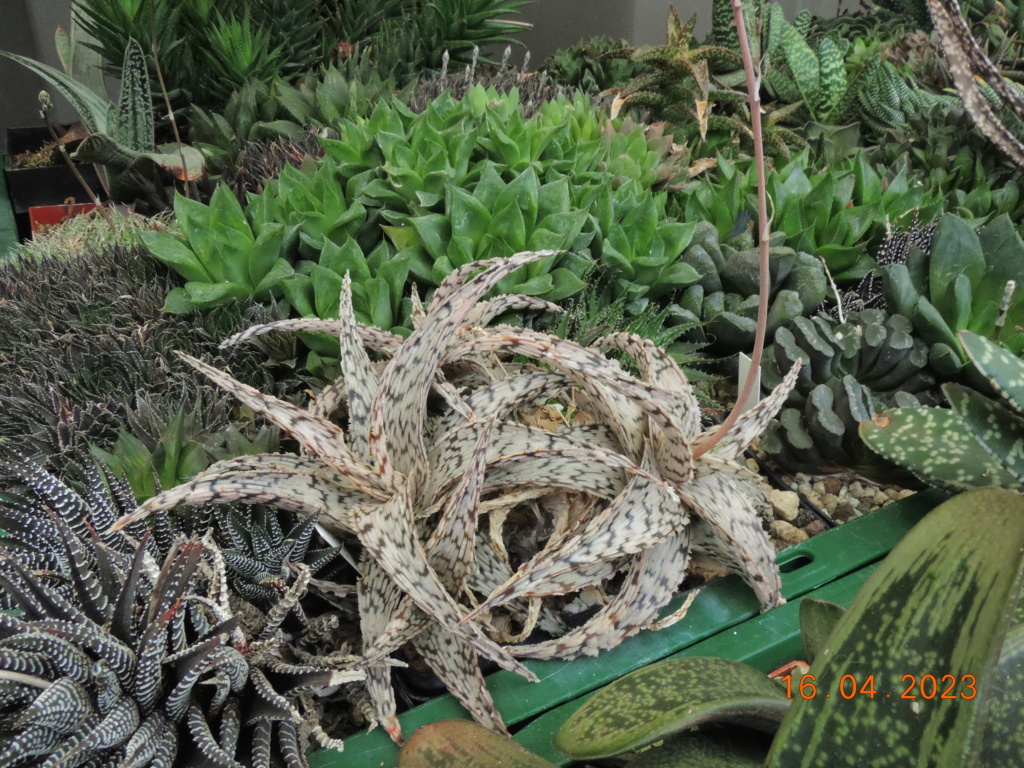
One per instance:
(934, 444)
(998, 365)
(817, 620)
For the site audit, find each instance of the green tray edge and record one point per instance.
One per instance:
(766, 642)
(720, 606)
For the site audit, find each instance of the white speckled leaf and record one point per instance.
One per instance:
(723, 501)
(455, 662)
(671, 440)
(653, 578)
(488, 310)
(528, 455)
(501, 397)
(375, 338)
(399, 407)
(450, 546)
(658, 368)
(303, 493)
(596, 374)
(357, 371)
(752, 423)
(379, 600)
(643, 514)
(998, 365)
(320, 437)
(387, 533)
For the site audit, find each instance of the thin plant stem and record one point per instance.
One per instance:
(167, 97)
(763, 225)
(45, 104)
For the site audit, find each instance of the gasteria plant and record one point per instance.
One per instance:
(974, 443)
(851, 370)
(385, 476)
(121, 136)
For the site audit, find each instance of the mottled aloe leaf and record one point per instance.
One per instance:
(939, 605)
(934, 444)
(1003, 739)
(817, 620)
(998, 365)
(669, 697)
(464, 744)
(999, 430)
(727, 748)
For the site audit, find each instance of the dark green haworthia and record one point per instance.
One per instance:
(938, 606)
(668, 697)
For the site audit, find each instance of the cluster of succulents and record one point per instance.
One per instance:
(382, 200)
(722, 304)
(87, 357)
(968, 279)
(130, 647)
(432, 487)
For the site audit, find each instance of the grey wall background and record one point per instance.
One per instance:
(560, 23)
(27, 27)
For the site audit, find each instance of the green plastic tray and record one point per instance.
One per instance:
(841, 556)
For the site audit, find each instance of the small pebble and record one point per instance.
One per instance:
(752, 465)
(844, 512)
(881, 498)
(815, 527)
(819, 488)
(829, 502)
(785, 503)
(856, 489)
(833, 485)
(787, 534)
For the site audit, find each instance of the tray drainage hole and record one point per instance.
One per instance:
(796, 563)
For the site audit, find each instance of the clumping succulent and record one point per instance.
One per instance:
(976, 442)
(851, 370)
(126, 650)
(437, 461)
(969, 279)
(725, 299)
(85, 349)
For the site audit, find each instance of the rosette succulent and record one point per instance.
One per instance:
(114, 658)
(437, 459)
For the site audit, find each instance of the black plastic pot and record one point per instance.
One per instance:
(32, 187)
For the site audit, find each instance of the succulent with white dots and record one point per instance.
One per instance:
(113, 659)
(437, 458)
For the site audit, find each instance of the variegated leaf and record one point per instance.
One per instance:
(322, 438)
(653, 578)
(399, 407)
(388, 534)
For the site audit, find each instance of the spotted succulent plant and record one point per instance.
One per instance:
(624, 493)
(113, 659)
